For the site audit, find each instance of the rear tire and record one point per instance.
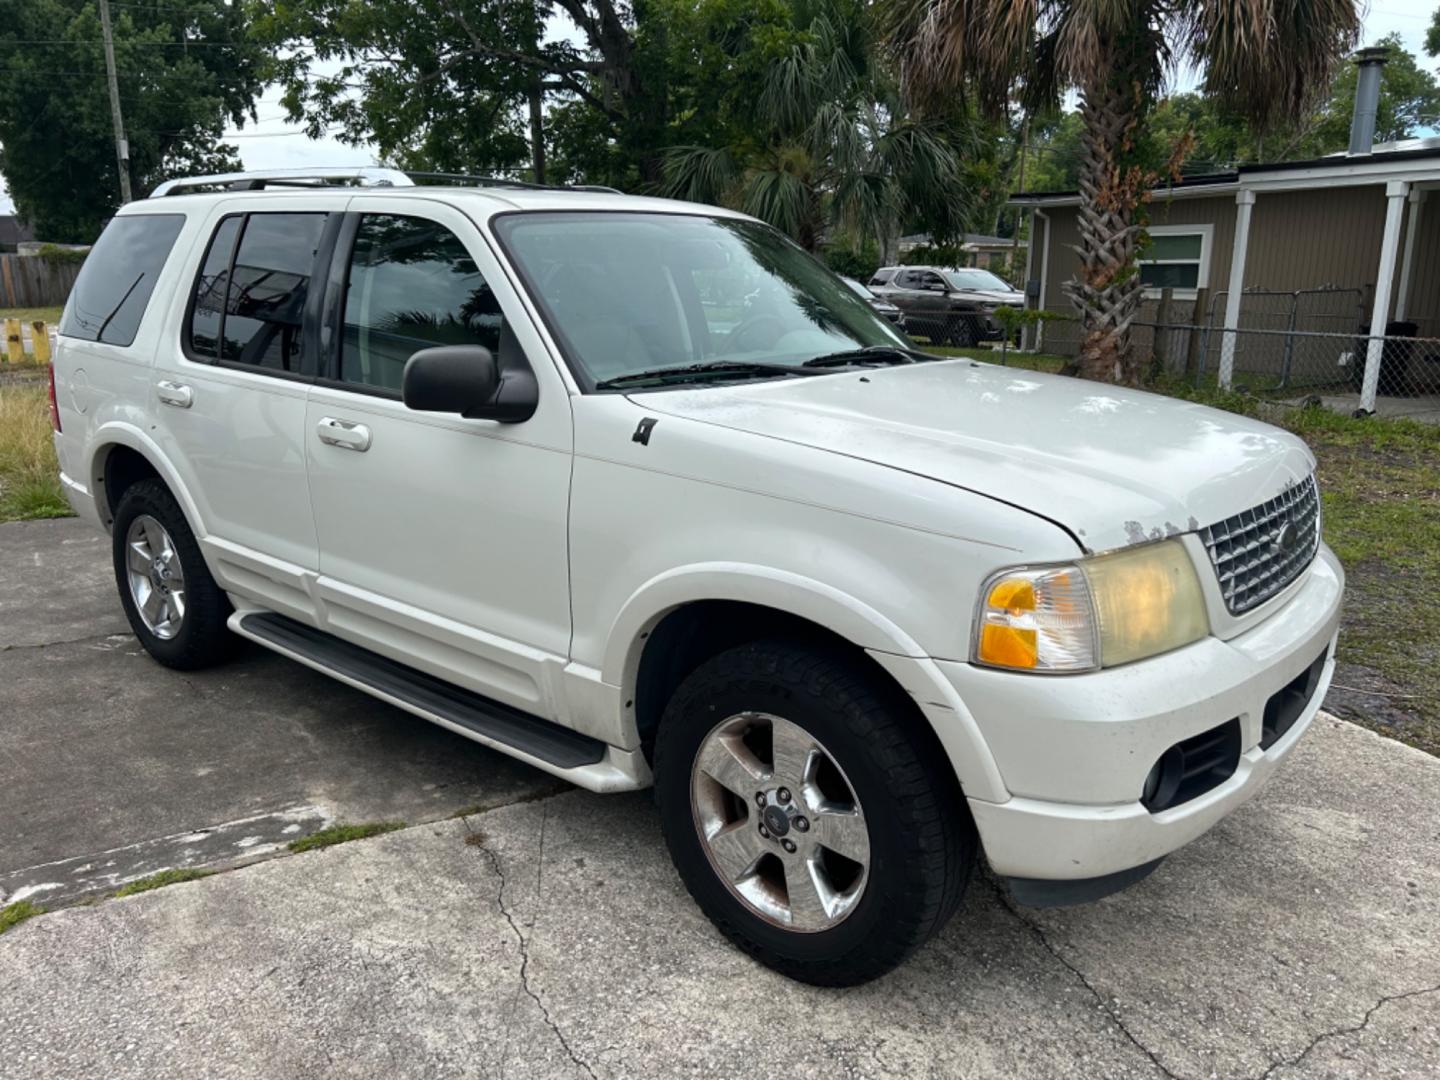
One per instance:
(172, 602)
(878, 789)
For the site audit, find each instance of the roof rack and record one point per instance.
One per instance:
(261, 179)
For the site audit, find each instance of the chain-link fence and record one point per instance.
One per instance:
(1390, 374)
(1289, 346)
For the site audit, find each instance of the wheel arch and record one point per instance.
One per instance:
(124, 455)
(683, 618)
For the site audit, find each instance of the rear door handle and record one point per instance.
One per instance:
(343, 433)
(174, 393)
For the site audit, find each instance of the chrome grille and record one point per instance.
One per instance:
(1253, 556)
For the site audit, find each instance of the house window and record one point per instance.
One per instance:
(1178, 257)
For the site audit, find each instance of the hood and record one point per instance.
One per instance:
(992, 296)
(881, 303)
(1112, 466)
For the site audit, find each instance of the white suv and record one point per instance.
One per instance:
(637, 491)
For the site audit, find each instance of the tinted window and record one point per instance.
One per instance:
(118, 277)
(265, 300)
(412, 286)
(210, 286)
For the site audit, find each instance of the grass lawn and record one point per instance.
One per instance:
(27, 315)
(1380, 489)
(29, 473)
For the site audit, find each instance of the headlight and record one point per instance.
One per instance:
(1098, 612)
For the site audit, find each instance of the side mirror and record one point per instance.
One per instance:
(933, 286)
(465, 379)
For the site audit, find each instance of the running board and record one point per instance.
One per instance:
(529, 737)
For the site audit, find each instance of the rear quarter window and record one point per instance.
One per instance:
(114, 286)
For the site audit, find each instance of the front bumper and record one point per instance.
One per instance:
(1074, 751)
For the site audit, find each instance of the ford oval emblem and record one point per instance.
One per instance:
(1284, 539)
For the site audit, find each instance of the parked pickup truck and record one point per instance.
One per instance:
(948, 306)
(859, 614)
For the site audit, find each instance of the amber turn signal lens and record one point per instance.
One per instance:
(1037, 620)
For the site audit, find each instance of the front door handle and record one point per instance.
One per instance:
(343, 433)
(174, 393)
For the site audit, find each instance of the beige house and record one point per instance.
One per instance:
(1294, 257)
(1342, 243)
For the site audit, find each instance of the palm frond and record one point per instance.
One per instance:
(698, 174)
(1270, 59)
(779, 197)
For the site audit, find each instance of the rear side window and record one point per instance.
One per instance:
(208, 312)
(115, 284)
(249, 299)
(412, 286)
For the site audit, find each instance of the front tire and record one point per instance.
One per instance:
(810, 814)
(173, 604)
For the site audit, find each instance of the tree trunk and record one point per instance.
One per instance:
(1108, 289)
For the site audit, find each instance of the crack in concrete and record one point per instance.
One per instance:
(1009, 905)
(64, 641)
(494, 859)
(1351, 1030)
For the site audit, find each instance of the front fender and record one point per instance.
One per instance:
(842, 614)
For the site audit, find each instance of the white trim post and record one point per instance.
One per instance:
(1244, 204)
(1407, 264)
(1395, 193)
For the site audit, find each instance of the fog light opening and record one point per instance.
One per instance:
(1164, 779)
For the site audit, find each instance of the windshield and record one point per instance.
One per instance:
(858, 289)
(975, 279)
(631, 292)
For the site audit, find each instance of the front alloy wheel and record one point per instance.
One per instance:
(810, 810)
(784, 831)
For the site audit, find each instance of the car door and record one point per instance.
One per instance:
(442, 540)
(229, 393)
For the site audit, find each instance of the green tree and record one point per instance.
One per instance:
(183, 74)
(465, 84)
(816, 141)
(1264, 59)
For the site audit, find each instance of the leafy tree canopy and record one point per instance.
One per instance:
(183, 74)
(813, 137)
(1409, 103)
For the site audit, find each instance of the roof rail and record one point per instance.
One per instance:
(362, 176)
(262, 178)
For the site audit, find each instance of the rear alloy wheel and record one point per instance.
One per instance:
(156, 577)
(175, 607)
(810, 811)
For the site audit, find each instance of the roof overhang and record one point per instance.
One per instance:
(1415, 167)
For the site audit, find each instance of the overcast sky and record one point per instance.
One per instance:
(273, 143)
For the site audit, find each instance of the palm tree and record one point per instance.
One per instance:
(827, 145)
(1267, 59)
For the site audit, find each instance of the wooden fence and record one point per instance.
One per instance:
(35, 281)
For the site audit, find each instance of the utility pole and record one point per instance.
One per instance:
(122, 148)
(1015, 237)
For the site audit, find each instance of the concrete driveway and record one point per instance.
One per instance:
(550, 937)
(114, 767)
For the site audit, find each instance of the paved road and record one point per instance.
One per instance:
(551, 937)
(113, 766)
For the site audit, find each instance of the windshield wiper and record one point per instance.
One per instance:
(871, 354)
(691, 371)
